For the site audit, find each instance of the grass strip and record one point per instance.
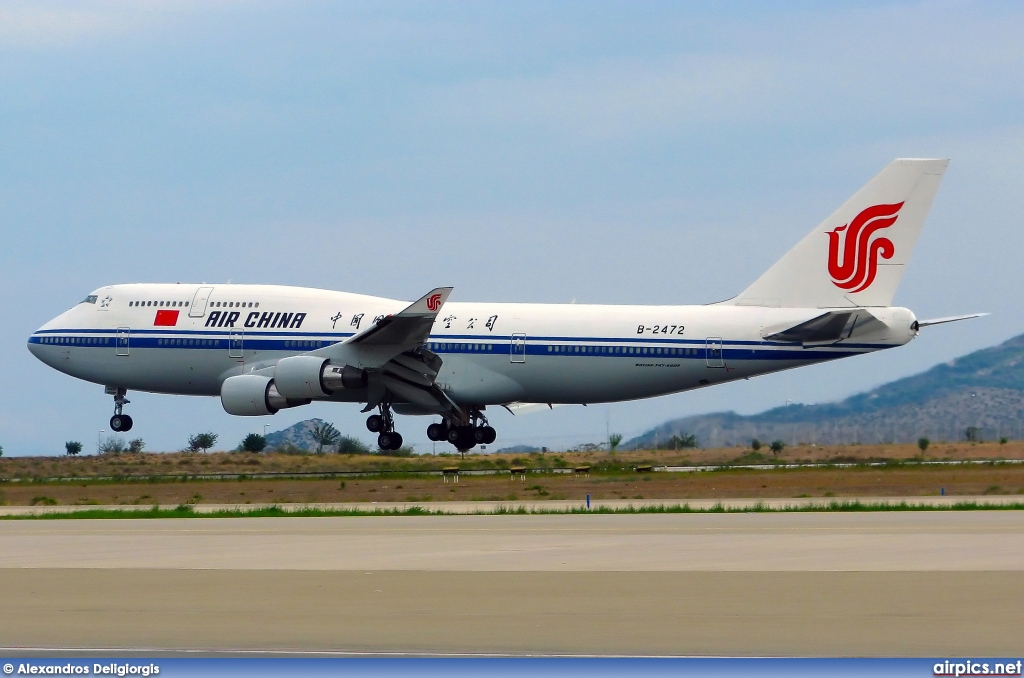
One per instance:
(276, 511)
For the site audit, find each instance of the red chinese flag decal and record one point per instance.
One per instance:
(166, 318)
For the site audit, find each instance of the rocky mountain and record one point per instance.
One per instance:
(983, 391)
(298, 435)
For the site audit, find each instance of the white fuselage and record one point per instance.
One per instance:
(188, 338)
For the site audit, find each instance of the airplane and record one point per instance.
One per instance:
(264, 348)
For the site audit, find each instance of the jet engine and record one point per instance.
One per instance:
(306, 376)
(252, 395)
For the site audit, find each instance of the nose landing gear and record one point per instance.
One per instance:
(120, 422)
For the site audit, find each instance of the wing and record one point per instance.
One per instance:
(391, 351)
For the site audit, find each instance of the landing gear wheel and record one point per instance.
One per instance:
(462, 437)
(120, 423)
(389, 440)
(375, 423)
(490, 435)
(437, 432)
(479, 436)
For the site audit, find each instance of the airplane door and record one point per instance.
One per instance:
(235, 344)
(714, 355)
(518, 350)
(121, 346)
(198, 307)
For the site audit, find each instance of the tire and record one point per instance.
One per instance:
(374, 423)
(479, 436)
(464, 438)
(490, 435)
(128, 423)
(396, 441)
(453, 435)
(384, 441)
(436, 432)
(117, 423)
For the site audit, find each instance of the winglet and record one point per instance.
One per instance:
(429, 304)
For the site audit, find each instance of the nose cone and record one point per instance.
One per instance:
(37, 348)
(33, 345)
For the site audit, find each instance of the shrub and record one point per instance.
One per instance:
(403, 451)
(755, 444)
(923, 443)
(351, 445)
(254, 442)
(73, 447)
(136, 445)
(614, 440)
(112, 445)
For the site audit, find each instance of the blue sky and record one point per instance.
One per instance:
(639, 152)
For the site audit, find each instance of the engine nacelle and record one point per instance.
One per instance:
(252, 395)
(306, 376)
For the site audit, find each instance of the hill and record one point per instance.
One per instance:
(983, 390)
(298, 435)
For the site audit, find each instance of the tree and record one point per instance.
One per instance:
(755, 444)
(136, 445)
(923, 443)
(1, 450)
(679, 441)
(614, 440)
(254, 442)
(324, 433)
(776, 447)
(112, 445)
(73, 447)
(202, 441)
(350, 445)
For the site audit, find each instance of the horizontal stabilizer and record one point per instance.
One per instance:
(950, 319)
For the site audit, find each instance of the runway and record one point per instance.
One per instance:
(893, 584)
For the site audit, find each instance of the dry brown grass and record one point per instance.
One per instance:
(183, 463)
(142, 478)
(817, 482)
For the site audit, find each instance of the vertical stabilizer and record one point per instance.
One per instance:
(856, 256)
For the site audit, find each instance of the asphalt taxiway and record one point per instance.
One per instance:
(880, 583)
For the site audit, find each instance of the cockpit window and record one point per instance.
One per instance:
(91, 299)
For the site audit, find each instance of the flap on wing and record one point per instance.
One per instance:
(827, 328)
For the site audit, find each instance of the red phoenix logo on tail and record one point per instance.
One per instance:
(434, 302)
(853, 263)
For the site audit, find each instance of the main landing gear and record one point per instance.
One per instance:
(120, 423)
(384, 425)
(464, 435)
